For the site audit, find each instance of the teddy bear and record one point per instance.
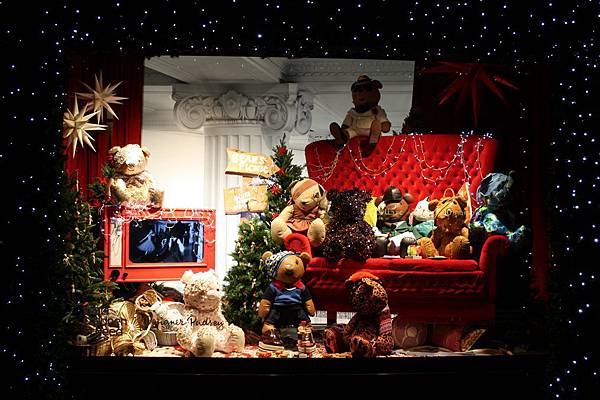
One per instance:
(494, 215)
(393, 209)
(348, 234)
(308, 205)
(369, 333)
(204, 329)
(367, 118)
(450, 237)
(286, 302)
(131, 183)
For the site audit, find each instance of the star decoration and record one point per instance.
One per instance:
(470, 78)
(101, 97)
(76, 125)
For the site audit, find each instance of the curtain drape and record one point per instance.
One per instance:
(87, 164)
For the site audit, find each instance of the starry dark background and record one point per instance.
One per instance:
(37, 39)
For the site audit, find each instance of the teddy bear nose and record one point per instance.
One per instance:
(289, 271)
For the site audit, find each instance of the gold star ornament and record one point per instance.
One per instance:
(76, 125)
(101, 97)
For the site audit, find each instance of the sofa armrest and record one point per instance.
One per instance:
(495, 246)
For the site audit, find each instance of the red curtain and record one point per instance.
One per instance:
(87, 164)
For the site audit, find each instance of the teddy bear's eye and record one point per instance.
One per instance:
(448, 211)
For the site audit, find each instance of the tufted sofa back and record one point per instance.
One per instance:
(423, 165)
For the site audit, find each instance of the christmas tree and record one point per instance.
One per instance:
(247, 278)
(83, 268)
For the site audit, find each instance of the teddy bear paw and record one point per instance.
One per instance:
(361, 347)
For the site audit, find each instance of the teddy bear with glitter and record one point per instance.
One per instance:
(203, 328)
(366, 118)
(131, 184)
(348, 234)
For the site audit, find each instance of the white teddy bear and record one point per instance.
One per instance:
(204, 329)
(421, 212)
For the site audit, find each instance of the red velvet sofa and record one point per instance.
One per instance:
(426, 290)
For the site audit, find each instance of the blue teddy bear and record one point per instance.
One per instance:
(494, 195)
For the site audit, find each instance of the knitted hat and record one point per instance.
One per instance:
(357, 276)
(274, 262)
(355, 279)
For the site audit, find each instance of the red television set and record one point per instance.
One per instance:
(142, 245)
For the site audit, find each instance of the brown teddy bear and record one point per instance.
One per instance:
(393, 211)
(367, 118)
(132, 184)
(304, 214)
(450, 236)
(286, 302)
(369, 332)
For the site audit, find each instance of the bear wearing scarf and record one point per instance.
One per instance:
(304, 214)
(286, 302)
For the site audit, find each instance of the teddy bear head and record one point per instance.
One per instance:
(286, 266)
(365, 93)
(129, 160)
(349, 205)
(367, 294)
(393, 206)
(494, 191)
(422, 212)
(449, 213)
(202, 291)
(307, 195)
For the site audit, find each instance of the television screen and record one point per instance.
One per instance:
(164, 241)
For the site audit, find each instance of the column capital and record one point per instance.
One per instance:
(280, 108)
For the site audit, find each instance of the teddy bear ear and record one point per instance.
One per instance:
(365, 196)
(377, 84)
(321, 190)
(114, 150)
(332, 194)
(266, 255)
(188, 276)
(305, 257)
(378, 200)
(146, 151)
(291, 187)
(409, 198)
(433, 204)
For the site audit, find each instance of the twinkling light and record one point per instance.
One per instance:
(516, 33)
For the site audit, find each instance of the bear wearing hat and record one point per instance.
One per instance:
(367, 118)
(287, 301)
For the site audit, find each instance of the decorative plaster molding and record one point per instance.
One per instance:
(274, 111)
(333, 69)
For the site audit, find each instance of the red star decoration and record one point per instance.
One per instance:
(470, 78)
